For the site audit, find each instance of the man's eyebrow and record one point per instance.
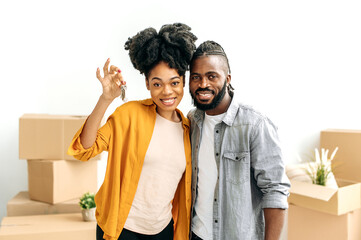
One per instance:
(210, 72)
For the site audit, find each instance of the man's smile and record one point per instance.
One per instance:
(204, 95)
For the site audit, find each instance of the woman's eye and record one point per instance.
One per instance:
(175, 83)
(156, 84)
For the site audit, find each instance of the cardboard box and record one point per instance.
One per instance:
(45, 227)
(55, 181)
(347, 162)
(44, 136)
(309, 224)
(324, 199)
(22, 205)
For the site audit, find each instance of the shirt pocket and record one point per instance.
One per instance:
(237, 167)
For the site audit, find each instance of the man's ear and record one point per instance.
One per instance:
(147, 83)
(228, 79)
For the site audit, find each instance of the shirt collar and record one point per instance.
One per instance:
(147, 102)
(231, 112)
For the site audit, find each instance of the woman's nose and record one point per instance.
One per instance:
(167, 89)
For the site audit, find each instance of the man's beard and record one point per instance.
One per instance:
(215, 102)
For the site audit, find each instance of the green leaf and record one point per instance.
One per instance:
(87, 201)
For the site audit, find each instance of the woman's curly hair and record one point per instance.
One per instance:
(174, 44)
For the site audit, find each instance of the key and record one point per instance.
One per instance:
(123, 95)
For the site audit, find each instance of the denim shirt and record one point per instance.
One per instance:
(251, 171)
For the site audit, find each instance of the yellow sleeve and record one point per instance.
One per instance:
(101, 144)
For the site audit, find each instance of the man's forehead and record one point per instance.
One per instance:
(210, 62)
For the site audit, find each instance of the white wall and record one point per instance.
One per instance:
(299, 62)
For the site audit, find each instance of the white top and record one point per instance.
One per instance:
(163, 167)
(207, 179)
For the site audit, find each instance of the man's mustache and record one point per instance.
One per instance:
(204, 90)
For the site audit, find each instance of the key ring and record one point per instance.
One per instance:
(122, 95)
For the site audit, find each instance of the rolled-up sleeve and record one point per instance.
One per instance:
(101, 143)
(267, 162)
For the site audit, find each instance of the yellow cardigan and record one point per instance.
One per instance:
(126, 136)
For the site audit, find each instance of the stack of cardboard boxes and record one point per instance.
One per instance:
(56, 181)
(318, 212)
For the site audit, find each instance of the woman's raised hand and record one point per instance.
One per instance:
(111, 82)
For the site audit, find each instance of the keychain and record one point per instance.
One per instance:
(122, 95)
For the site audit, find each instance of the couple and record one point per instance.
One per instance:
(217, 175)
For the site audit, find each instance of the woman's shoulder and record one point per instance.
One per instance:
(132, 107)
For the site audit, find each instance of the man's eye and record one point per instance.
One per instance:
(211, 76)
(194, 77)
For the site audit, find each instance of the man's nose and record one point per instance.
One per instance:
(203, 83)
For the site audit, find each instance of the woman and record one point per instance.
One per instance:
(146, 189)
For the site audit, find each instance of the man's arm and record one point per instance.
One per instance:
(274, 221)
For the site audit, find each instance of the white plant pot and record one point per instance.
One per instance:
(88, 214)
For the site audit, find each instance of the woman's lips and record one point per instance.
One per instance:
(168, 101)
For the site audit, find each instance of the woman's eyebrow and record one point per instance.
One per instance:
(172, 78)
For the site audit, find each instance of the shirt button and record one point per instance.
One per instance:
(217, 131)
(216, 221)
(215, 199)
(217, 154)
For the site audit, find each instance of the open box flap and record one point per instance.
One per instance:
(312, 190)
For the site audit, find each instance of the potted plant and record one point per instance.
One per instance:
(87, 204)
(320, 170)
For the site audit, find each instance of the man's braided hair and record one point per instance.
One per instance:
(212, 48)
(174, 44)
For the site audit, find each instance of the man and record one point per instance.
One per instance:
(239, 185)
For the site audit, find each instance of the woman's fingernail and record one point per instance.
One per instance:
(124, 82)
(119, 71)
